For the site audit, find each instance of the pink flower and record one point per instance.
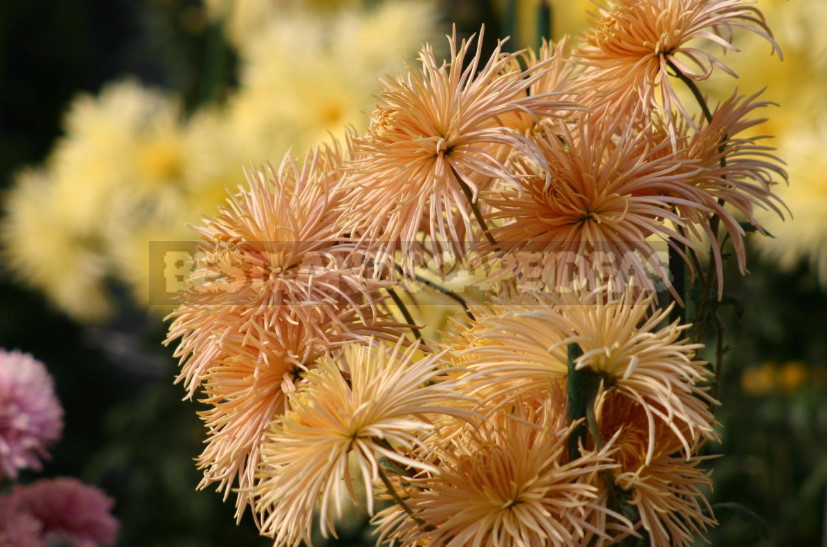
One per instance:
(17, 527)
(31, 417)
(70, 512)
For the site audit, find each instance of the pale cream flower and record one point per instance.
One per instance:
(520, 347)
(370, 405)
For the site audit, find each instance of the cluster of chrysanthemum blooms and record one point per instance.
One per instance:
(565, 407)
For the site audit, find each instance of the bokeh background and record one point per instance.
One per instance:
(191, 92)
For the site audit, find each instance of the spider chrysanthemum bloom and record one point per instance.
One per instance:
(644, 358)
(596, 212)
(523, 346)
(275, 286)
(31, 418)
(634, 46)
(504, 481)
(371, 406)
(434, 130)
(736, 176)
(663, 484)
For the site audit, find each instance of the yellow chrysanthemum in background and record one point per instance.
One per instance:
(306, 77)
(48, 254)
(123, 146)
(131, 170)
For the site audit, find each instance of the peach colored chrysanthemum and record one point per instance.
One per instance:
(737, 174)
(522, 346)
(371, 406)
(434, 130)
(562, 75)
(664, 486)
(633, 43)
(276, 285)
(644, 358)
(503, 481)
(246, 389)
(596, 211)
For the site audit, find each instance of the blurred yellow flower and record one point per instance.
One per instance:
(46, 251)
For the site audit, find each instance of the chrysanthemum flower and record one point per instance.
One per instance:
(124, 145)
(31, 418)
(736, 176)
(521, 347)
(276, 286)
(505, 480)
(634, 43)
(594, 214)
(371, 406)
(623, 341)
(434, 130)
(662, 484)
(69, 511)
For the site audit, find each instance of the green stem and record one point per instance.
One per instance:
(405, 313)
(677, 271)
(707, 306)
(544, 22)
(474, 207)
(577, 399)
(693, 87)
(439, 288)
